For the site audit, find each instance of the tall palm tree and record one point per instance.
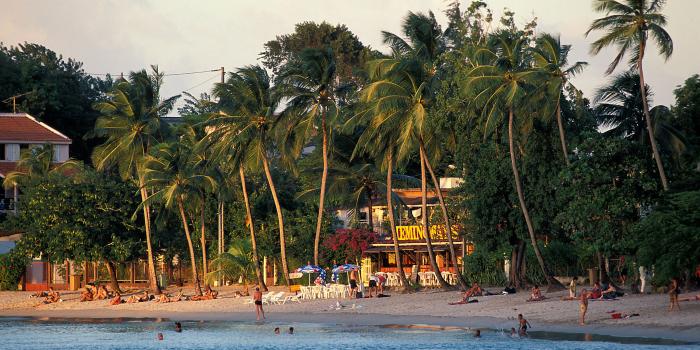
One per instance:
(499, 87)
(170, 172)
(552, 57)
(402, 89)
(628, 24)
(310, 83)
(248, 125)
(131, 123)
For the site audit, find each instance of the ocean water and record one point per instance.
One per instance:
(16, 333)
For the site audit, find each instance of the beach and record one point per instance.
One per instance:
(428, 308)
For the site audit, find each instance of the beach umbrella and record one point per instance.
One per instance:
(309, 269)
(346, 268)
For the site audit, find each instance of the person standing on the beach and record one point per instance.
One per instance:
(257, 298)
(582, 307)
(523, 325)
(673, 290)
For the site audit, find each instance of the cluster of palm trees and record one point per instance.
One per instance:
(508, 78)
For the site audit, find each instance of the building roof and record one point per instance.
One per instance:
(23, 128)
(7, 167)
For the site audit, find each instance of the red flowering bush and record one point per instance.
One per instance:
(348, 243)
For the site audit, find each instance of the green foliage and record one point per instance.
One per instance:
(12, 266)
(59, 91)
(485, 267)
(87, 217)
(669, 237)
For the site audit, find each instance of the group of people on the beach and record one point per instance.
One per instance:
(50, 296)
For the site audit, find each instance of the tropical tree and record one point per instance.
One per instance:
(35, 164)
(552, 57)
(175, 180)
(237, 262)
(247, 123)
(628, 24)
(131, 123)
(310, 83)
(400, 93)
(499, 85)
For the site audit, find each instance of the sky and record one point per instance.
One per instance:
(111, 36)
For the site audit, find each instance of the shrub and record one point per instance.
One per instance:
(486, 268)
(12, 265)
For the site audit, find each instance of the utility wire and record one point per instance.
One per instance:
(165, 75)
(202, 83)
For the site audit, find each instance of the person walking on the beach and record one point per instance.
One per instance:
(583, 307)
(257, 297)
(673, 290)
(523, 325)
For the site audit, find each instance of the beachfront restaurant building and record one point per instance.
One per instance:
(381, 257)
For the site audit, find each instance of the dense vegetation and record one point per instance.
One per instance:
(555, 182)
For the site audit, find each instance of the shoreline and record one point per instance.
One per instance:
(439, 323)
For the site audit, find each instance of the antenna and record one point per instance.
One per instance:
(14, 100)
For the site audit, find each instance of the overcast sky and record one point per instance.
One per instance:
(112, 36)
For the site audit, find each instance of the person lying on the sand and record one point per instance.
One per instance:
(39, 294)
(536, 294)
(596, 292)
(165, 299)
(52, 296)
(117, 299)
(695, 298)
(132, 299)
(474, 291)
(208, 295)
(86, 295)
(101, 293)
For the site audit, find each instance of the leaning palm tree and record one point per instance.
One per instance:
(552, 57)
(628, 25)
(170, 172)
(309, 81)
(499, 88)
(131, 123)
(247, 124)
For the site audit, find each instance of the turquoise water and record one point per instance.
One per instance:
(137, 334)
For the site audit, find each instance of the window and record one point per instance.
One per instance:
(2, 151)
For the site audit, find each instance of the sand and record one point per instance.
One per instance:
(426, 307)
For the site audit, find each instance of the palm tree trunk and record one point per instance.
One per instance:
(280, 220)
(392, 220)
(254, 245)
(424, 218)
(551, 282)
(113, 281)
(190, 247)
(149, 248)
(448, 225)
(203, 240)
(370, 221)
(562, 134)
(322, 196)
(650, 130)
(220, 229)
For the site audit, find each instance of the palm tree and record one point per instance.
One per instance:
(311, 84)
(400, 93)
(36, 163)
(628, 24)
(619, 108)
(131, 123)
(398, 97)
(235, 263)
(170, 172)
(499, 88)
(552, 57)
(249, 128)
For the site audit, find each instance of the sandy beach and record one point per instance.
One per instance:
(426, 307)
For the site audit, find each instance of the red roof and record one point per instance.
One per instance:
(7, 167)
(23, 128)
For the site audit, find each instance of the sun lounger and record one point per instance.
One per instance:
(275, 298)
(291, 297)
